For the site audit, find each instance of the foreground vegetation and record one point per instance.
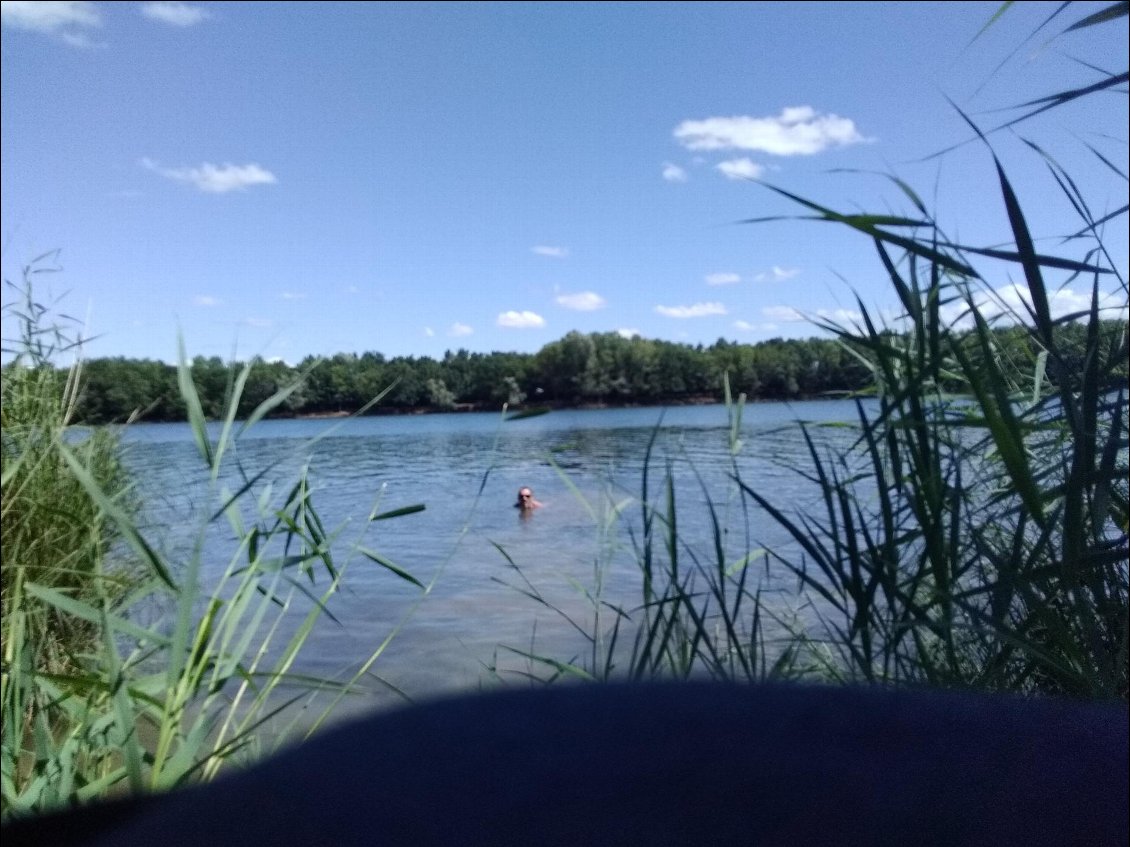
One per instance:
(50, 523)
(979, 542)
(123, 670)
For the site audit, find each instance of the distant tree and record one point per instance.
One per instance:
(439, 395)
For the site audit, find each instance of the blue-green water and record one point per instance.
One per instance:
(577, 462)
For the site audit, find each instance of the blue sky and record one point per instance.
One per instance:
(283, 179)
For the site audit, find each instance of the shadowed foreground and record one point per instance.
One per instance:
(663, 764)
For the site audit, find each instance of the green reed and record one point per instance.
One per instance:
(983, 541)
(975, 534)
(96, 700)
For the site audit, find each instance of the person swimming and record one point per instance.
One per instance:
(526, 501)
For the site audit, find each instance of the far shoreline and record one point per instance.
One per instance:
(553, 406)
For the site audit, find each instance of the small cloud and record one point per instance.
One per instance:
(740, 169)
(722, 279)
(552, 252)
(176, 14)
(206, 300)
(81, 40)
(520, 320)
(840, 316)
(458, 330)
(216, 179)
(782, 314)
(673, 173)
(584, 301)
(797, 131)
(1015, 301)
(780, 273)
(352, 289)
(1016, 297)
(628, 333)
(746, 326)
(429, 332)
(788, 314)
(292, 295)
(61, 19)
(259, 323)
(698, 310)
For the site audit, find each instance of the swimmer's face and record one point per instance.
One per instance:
(525, 495)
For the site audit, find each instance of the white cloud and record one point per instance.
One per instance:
(1014, 299)
(673, 173)
(746, 326)
(176, 14)
(291, 295)
(722, 279)
(429, 332)
(840, 316)
(797, 131)
(782, 314)
(206, 300)
(628, 333)
(584, 301)
(520, 320)
(458, 330)
(352, 289)
(552, 252)
(788, 314)
(259, 323)
(698, 310)
(1016, 296)
(81, 40)
(740, 169)
(777, 274)
(216, 179)
(48, 17)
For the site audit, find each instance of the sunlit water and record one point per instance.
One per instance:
(577, 462)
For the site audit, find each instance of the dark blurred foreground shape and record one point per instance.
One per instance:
(687, 764)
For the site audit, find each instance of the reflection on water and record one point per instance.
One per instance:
(466, 468)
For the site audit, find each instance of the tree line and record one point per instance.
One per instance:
(578, 369)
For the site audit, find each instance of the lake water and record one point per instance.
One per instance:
(577, 462)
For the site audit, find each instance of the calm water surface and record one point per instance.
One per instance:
(576, 461)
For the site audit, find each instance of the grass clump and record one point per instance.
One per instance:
(135, 679)
(53, 533)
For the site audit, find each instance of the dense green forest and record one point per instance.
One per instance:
(578, 369)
